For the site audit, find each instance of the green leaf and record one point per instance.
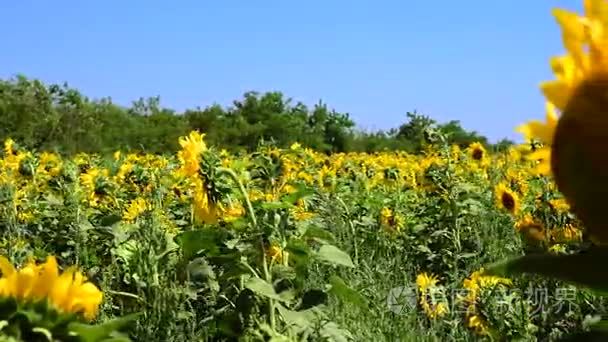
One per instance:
(301, 192)
(300, 319)
(262, 288)
(313, 231)
(594, 335)
(102, 332)
(193, 242)
(298, 248)
(53, 199)
(334, 255)
(110, 220)
(332, 332)
(586, 268)
(344, 292)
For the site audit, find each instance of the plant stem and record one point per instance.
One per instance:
(235, 178)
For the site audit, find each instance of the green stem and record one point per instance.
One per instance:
(235, 178)
(352, 229)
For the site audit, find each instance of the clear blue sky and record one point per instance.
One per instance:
(476, 61)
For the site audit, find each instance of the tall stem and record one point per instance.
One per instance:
(235, 178)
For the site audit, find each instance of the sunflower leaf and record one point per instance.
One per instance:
(585, 268)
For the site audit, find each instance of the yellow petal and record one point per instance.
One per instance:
(557, 93)
(46, 279)
(6, 267)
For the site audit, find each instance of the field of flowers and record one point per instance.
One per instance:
(292, 243)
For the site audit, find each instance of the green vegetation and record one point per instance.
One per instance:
(59, 118)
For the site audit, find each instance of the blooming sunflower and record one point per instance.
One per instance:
(543, 132)
(579, 139)
(428, 291)
(137, 207)
(474, 286)
(189, 156)
(578, 159)
(68, 292)
(477, 151)
(506, 198)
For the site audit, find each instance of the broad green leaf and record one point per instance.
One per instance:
(262, 288)
(109, 220)
(313, 231)
(586, 268)
(95, 333)
(302, 191)
(332, 332)
(300, 319)
(298, 248)
(334, 255)
(53, 199)
(193, 242)
(344, 292)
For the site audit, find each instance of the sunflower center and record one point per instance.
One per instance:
(477, 154)
(578, 159)
(508, 201)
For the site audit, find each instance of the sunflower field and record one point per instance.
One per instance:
(295, 245)
(291, 244)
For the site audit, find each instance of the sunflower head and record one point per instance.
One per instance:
(506, 198)
(579, 162)
(477, 151)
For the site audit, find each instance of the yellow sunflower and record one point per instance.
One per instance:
(543, 132)
(428, 291)
(578, 159)
(189, 156)
(506, 198)
(68, 292)
(477, 151)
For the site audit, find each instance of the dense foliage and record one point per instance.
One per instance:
(299, 245)
(59, 118)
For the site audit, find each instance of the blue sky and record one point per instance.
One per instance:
(476, 61)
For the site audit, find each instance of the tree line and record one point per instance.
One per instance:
(59, 118)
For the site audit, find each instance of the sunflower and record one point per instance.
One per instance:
(189, 156)
(276, 253)
(506, 198)
(475, 285)
(137, 207)
(68, 292)
(543, 132)
(428, 293)
(477, 151)
(578, 160)
(532, 231)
